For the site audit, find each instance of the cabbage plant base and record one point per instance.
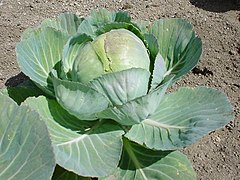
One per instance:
(122, 124)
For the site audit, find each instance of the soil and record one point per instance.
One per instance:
(217, 22)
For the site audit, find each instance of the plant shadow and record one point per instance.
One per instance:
(16, 80)
(217, 5)
(146, 157)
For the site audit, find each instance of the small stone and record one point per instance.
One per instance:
(218, 139)
(232, 52)
(127, 6)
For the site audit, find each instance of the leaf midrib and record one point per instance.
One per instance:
(162, 125)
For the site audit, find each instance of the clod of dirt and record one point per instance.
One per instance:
(232, 52)
(230, 126)
(127, 6)
(204, 71)
(237, 85)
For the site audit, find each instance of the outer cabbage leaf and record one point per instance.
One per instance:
(94, 150)
(143, 25)
(159, 72)
(121, 87)
(25, 147)
(98, 18)
(38, 54)
(78, 99)
(137, 110)
(178, 45)
(182, 118)
(66, 22)
(138, 162)
(152, 44)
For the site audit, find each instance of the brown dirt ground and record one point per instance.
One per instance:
(217, 22)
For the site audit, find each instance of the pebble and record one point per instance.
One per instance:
(232, 52)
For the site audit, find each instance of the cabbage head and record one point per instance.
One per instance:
(116, 50)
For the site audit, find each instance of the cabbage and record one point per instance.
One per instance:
(98, 84)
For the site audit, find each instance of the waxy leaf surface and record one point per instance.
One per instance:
(182, 118)
(38, 54)
(178, 45)
(138, 162)
(25, 147)
(92, 150)
(78, 99)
